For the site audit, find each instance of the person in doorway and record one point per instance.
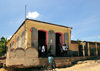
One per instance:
(44, 50)
(60, 50)
(65, 49)
(39, 49)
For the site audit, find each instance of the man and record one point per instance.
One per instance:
(65, 49)
(43, 50)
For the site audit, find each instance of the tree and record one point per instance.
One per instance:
(3, 47)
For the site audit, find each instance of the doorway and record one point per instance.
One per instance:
(58, 44)
(80, 50)
(42, 42)
(41, 38)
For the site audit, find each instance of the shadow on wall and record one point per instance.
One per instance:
(22, 57)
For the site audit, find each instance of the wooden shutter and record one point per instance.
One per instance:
(51, 37)
(66, 39)
(34, 38)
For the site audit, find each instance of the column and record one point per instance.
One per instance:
(96, 48)
(88, 48)
(83, 50)
(83, 45)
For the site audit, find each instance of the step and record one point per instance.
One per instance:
(62, 60)
(63, 64)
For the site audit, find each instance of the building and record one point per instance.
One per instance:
(33, 33)
(23, 47)
(85, 48)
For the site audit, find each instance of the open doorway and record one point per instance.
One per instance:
(80, 50)
(41, 37)
(42, 43)
(58, 44)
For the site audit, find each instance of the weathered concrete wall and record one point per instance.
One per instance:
(74, 48)
(47, 28)
(92, 49)
(21, 57)
(89, 49)
(28, 24)
(98, 46)
(17, 34)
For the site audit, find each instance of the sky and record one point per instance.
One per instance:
(82, 15)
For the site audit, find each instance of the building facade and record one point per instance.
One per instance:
(33, 33)
(85, 48)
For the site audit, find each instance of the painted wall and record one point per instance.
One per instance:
(74, 47)
(39, 26)
(14, 38)
(46, 27)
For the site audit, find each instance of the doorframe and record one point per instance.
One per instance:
(45, 36)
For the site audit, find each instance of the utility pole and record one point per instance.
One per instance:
(25, 40)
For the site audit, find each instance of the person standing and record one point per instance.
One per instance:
(65, 49)
(43, 50)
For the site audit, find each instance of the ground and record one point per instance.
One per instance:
(87, 65)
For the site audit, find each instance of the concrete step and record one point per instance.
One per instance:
(62, 62)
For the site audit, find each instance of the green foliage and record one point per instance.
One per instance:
(3, 47)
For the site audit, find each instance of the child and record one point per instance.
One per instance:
(51, 62)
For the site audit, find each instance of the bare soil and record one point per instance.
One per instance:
(87, 65)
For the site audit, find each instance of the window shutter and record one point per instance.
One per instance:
(34, 38)
(66, 39)
(51, 42)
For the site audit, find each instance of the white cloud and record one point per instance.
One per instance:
(32, 15)
(9, 37)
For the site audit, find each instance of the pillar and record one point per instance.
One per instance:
(83, 50)
(83, 45)
(96, 49)
(88, 48)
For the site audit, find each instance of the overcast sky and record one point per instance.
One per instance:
(82, 15)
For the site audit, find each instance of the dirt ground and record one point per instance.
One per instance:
(88, 65)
